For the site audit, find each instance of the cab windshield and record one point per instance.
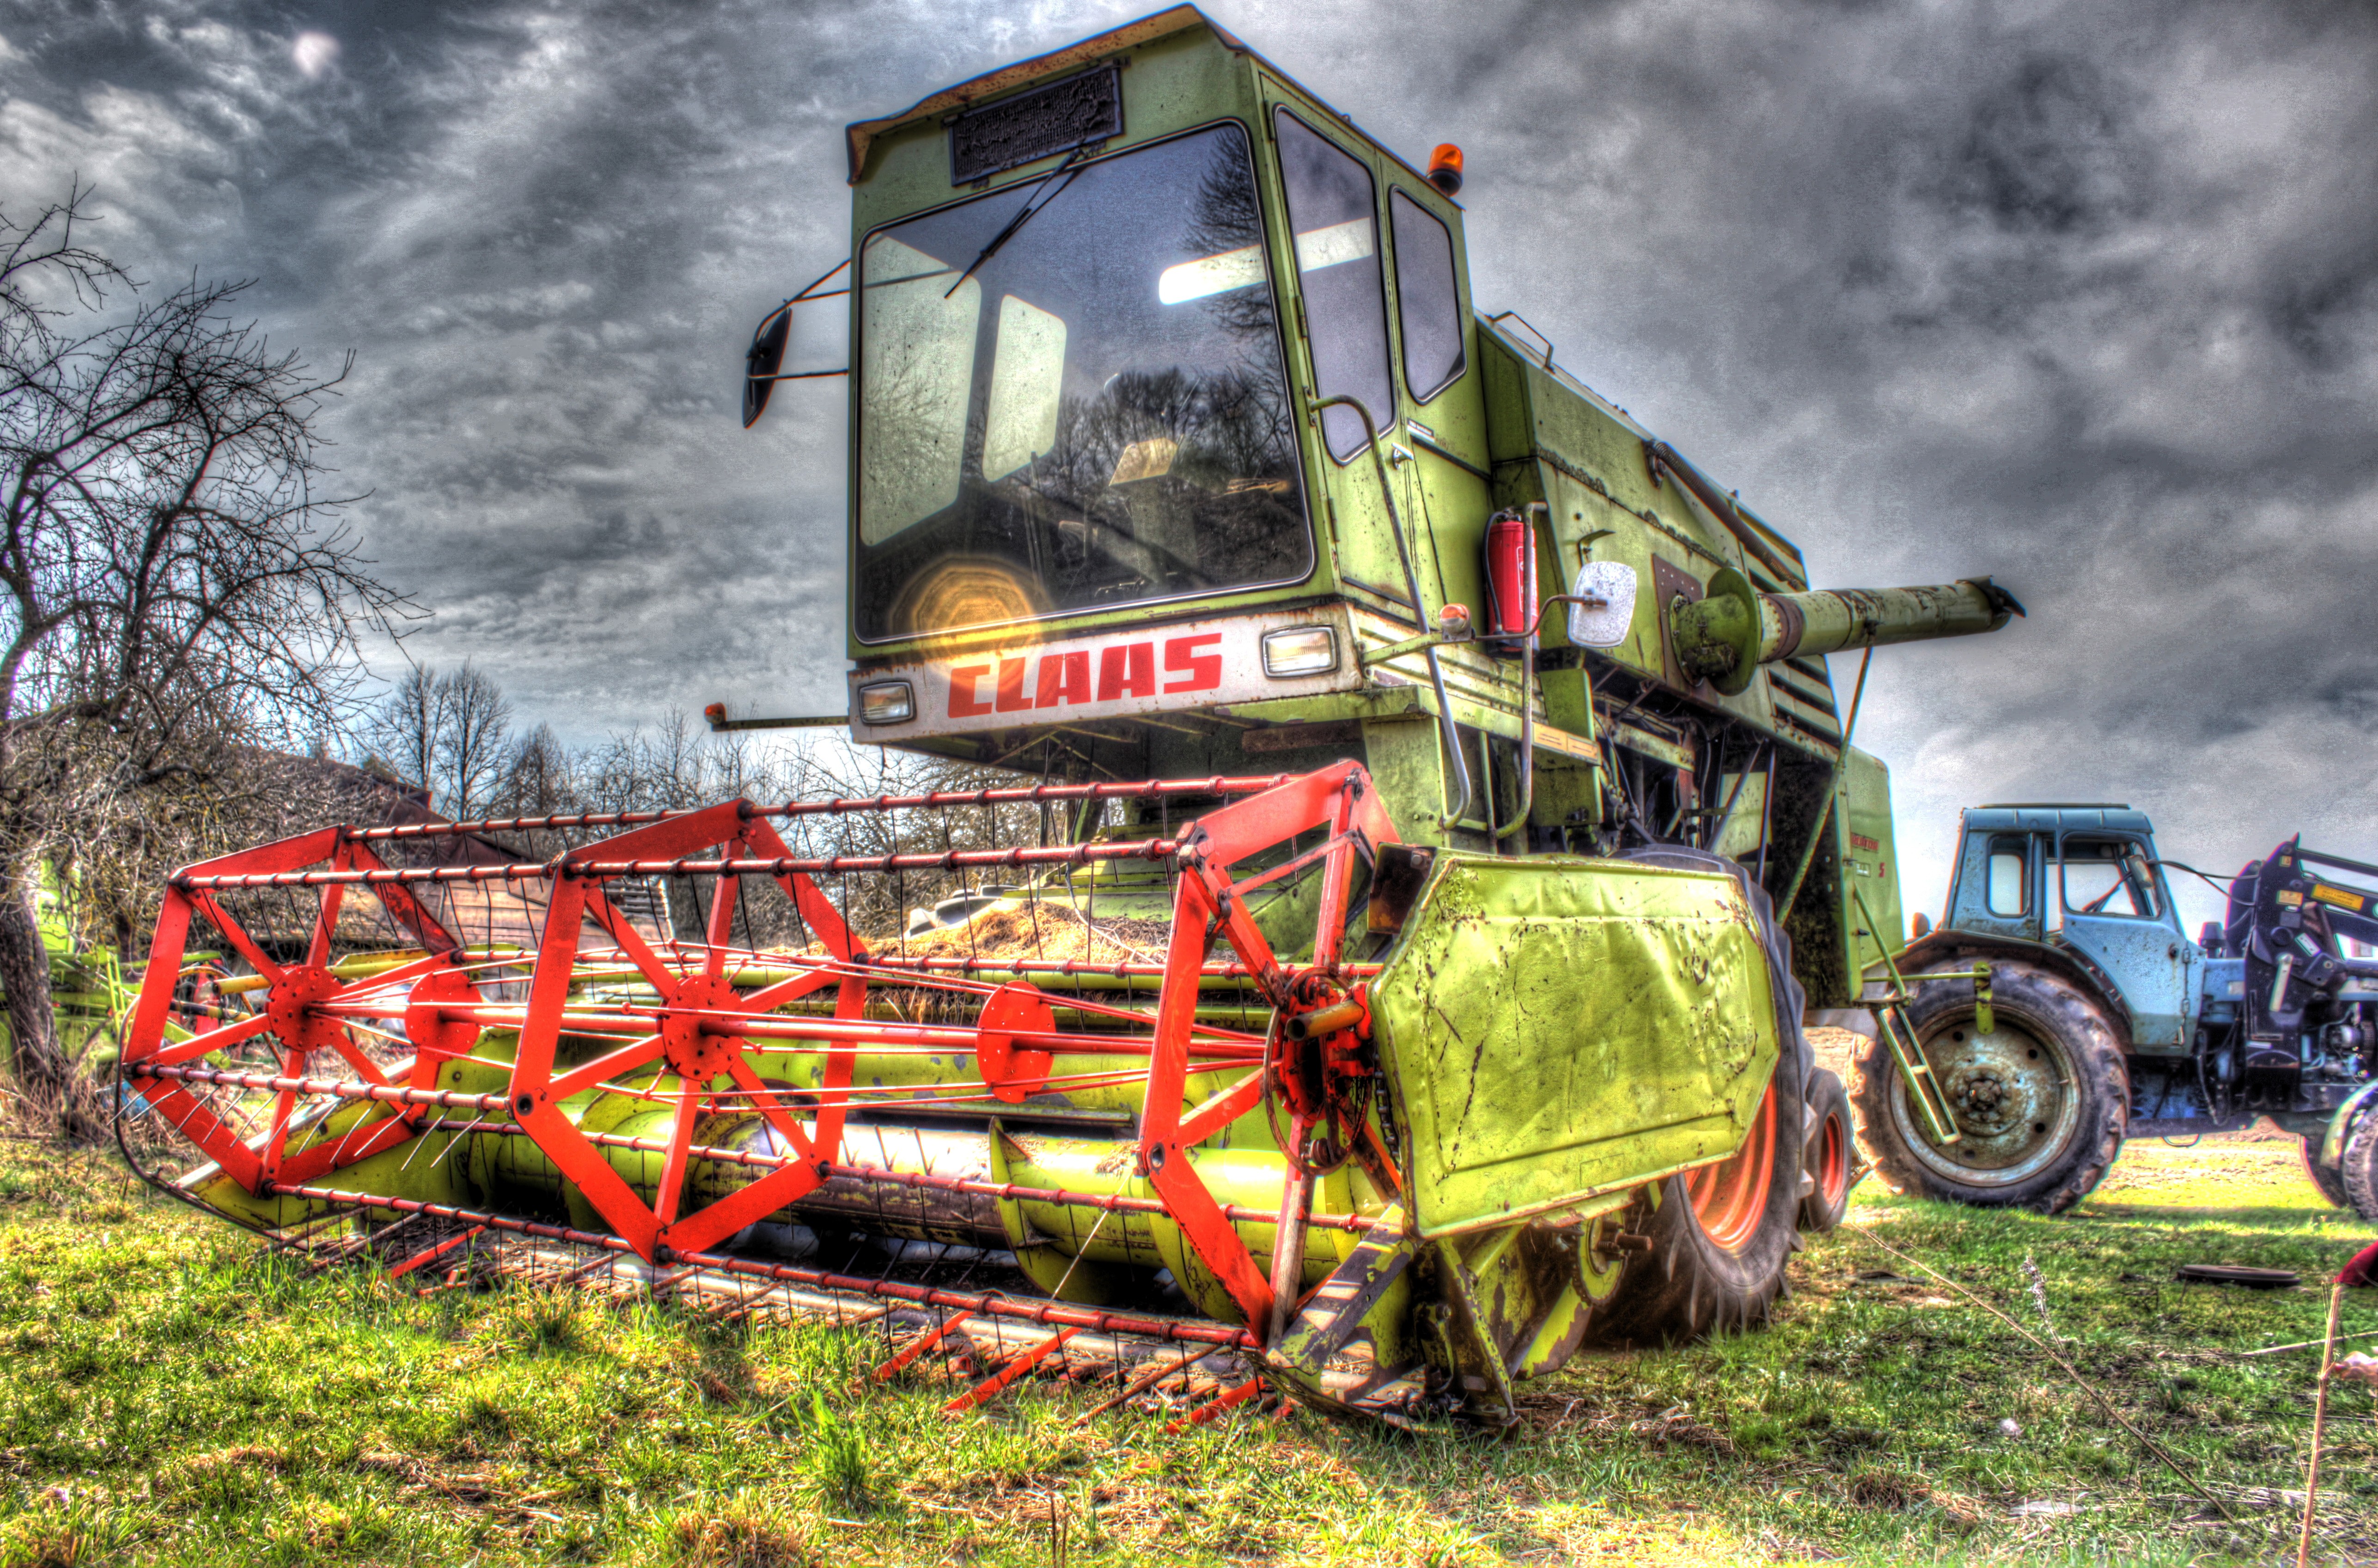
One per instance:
(1094, 415)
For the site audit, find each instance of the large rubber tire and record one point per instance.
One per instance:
(1721, 1236)
(1829, 1155)
(2041, 1104)
(2359, 1166)
(2331, 1183)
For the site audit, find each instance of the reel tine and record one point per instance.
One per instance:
(1228, 1399)
(929, 1341)
(1013, 1369)
(432, 1254)
(1141, 1385)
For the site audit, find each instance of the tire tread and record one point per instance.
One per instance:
(2360, 1168)
(1826, 1098)
(2331, 1183)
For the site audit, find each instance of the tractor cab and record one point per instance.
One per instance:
(2085, 880)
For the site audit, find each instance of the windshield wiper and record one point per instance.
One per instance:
(1024, 215)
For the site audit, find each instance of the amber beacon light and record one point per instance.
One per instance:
(1445, 168)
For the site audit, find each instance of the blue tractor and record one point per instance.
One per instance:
(2060, 1008)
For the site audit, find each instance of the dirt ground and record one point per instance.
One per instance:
(1837, 1049)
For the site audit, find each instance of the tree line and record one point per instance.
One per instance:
(451, 734)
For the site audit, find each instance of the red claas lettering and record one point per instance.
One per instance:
(1127, 671)
(964, 704)
(1065, 677)
(1011, 698)
(1202, 671)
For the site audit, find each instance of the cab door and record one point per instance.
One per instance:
(1997, 890)
(2112, 907)
(1441, 450)
(1382, 315)
(1337, 324)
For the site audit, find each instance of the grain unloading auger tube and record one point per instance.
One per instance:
(1398, 1125)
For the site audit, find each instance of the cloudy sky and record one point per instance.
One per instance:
(2078, 296)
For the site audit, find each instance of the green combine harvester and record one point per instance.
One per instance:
(1436, 816)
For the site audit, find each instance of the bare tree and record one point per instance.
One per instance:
(449, 734)
(666, 769)
(172, 580)
(403, 730)
(540, 777)
(475, 745)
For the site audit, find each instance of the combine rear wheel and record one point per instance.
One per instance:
(1720, 1237)
(2041, 1102)
(1721, 1234)
(1831, 1151)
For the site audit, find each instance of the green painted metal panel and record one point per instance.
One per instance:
(1556, 441)
(1555, 1027)
(1869, 863)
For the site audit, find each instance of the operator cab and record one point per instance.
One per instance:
(1093, 298)
(2083, 877)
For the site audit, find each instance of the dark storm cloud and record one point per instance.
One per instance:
(2083, 297)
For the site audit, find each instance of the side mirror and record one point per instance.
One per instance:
(763, 359)
(1608, 614)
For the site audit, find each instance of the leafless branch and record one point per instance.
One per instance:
(177, 585)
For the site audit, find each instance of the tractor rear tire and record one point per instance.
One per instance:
(2331, 1183)
(1831, 1154)
(2360, 1168)
(2041, 1102)
(1721, 1236)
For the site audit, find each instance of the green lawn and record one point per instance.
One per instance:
(177, 1395)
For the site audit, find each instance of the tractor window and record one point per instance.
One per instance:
(2010, 886)
(2107, 876)
(1333, 208)
(1428, 304)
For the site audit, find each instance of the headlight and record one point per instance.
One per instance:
(887, 701)
(1300, 650)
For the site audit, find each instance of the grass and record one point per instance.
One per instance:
(174, 1395)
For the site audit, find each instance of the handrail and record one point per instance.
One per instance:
(1723, 510)
(1449, 732)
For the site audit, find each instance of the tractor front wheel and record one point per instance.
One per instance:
(2360, 1168)
(2041, 1102)
(2330, 1182)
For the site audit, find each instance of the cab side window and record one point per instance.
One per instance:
(2107, 876)
(2009, 886)
(1428, 302)
(1332, 207)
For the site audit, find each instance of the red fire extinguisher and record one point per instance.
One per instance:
(1510, 576)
